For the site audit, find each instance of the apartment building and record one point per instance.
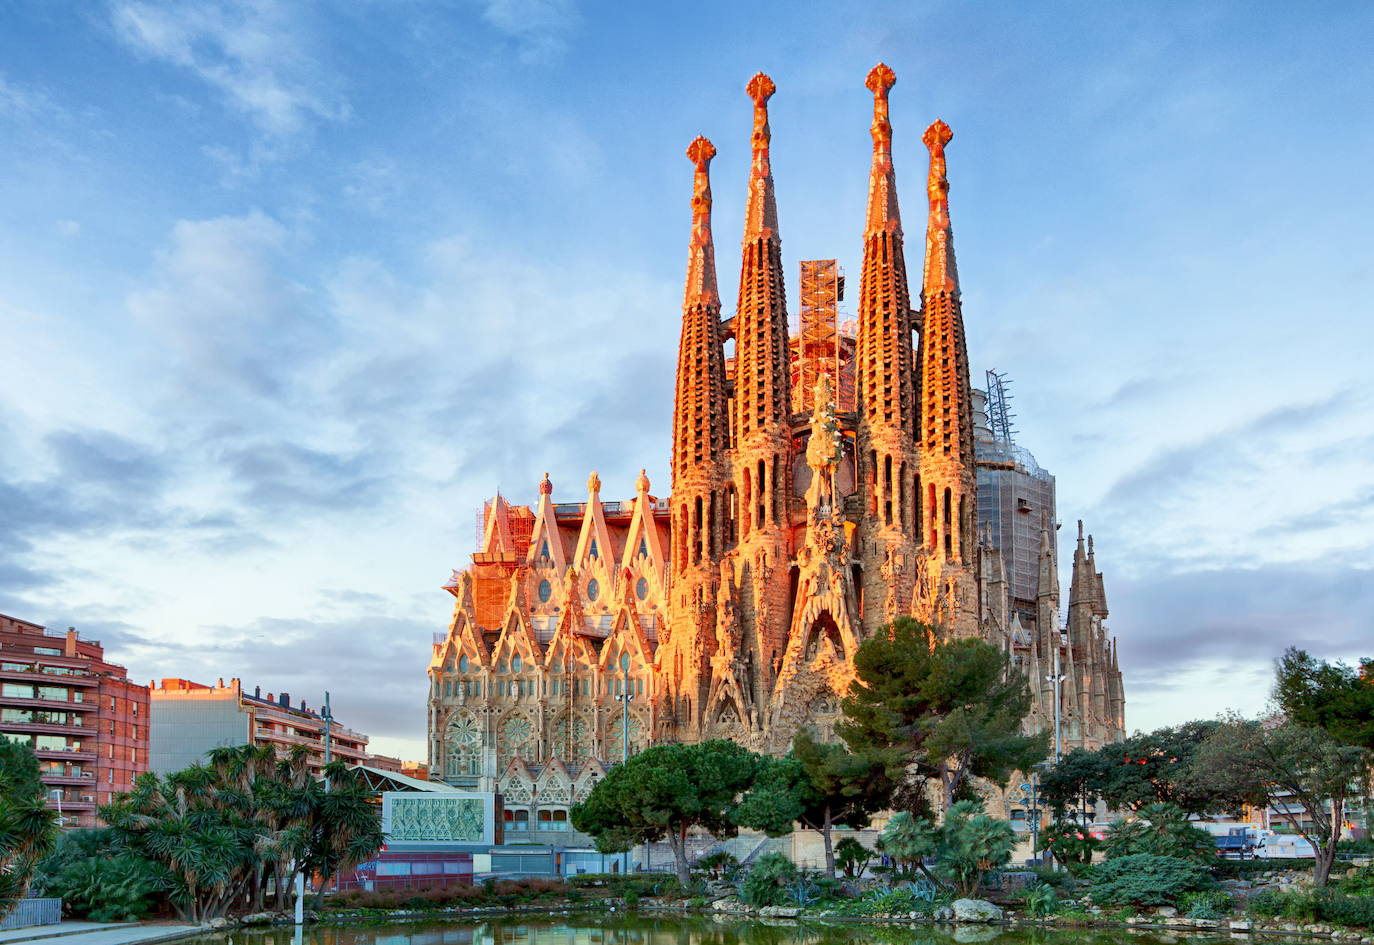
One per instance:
(190, 718)
(85, 719)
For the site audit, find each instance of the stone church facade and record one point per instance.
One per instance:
(798, 523)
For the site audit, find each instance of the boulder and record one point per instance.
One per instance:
(975, 910)
(219, 923)
(943, 914)
(780, 912)
(1240, 925)
(1167, 912)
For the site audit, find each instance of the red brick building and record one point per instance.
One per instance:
(86, 721)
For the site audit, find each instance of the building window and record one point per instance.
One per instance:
(516, 664)
(553, 819)
(545, 591)
(518, 820)
(46, 651)
(593, 590)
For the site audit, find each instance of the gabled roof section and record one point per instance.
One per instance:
(546, 540)
(595, 535)
(643, 534)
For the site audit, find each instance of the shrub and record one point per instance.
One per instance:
(1357, 882)
(971, 844)
(1233, 868)
(1274, 904)
(1070, 843)
(852, 857)
(1161, 830)
(1205, 904)
(1344, 909)
(1041, 900)
(721, 864)
(766, 883)
(1144, 879)
(99, 879)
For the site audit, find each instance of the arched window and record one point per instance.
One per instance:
(516, 664)
(591, 551)
(463, 663)
(593, 590)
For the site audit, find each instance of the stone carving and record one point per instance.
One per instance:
(435, 817)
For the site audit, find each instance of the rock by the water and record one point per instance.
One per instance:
(975, 910)
(944, 914)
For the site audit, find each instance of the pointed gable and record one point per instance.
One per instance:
(546, 539)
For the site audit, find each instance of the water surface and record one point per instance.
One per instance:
(604, 929)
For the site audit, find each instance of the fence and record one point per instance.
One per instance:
(33, 912)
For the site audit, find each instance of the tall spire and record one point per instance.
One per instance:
(883, 214)
(885, 386)
(941, 274)
(700, 474)
(701, 255)
(761, 209)
(946, 430)
(699, 421)
(763, 399)
(762, 408)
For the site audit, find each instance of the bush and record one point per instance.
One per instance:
(909, 898)
(100, 879)
(1357, 882)
(972, 843)
(1070, 843)
(1233, 868)
(852, 857)
(663, 885)
(1205, 904)
(768, 880)
(505, 892)
(1324, 905)
(1041, 900)
(1143, 879)
(721, 864)
(1161, 830)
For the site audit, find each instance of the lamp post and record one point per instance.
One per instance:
(55, 794)
(328, 718)
(624, 698)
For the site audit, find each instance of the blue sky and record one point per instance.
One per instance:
(288, 288)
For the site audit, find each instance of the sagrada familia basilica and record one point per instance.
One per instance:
(808, 508)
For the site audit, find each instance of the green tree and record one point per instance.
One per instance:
(1070, 843)
(819, 785)
(244, 823)
(941, 712)
(98, 878)
(1330, 696)
(908, 840)
(666, 791)
(1147, 768)
(972, 843)
(1291, 764)
(1077, 779)
(1161, 830)
(27, 827)
(852, 857)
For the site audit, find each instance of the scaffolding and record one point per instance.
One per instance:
(818, 343)
(1000, 416)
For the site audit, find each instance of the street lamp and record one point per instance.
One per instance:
(56, 795)
(624, 698)
(328, 718)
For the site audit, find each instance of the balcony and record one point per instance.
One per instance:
(33, 674)
(65, 754)
(68, 777)
(61, 705)
(46, 728)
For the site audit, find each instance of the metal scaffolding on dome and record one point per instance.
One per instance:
(1000, 416)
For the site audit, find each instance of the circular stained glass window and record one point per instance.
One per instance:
(593, 589)
(641, 588)
(545, 591)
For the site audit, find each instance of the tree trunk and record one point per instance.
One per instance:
(1326, 850)
(829, 849)
(678, 841)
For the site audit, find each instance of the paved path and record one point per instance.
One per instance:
(96, 933)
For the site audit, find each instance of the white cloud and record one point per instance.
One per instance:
(251, 52)
(539, 27)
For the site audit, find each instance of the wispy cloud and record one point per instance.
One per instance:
(252, 53)
(539, 28)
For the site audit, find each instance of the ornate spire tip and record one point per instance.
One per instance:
(880, 79)
(760, 89)
(700, 152)
(937, 135)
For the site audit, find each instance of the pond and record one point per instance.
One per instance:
(594, 929)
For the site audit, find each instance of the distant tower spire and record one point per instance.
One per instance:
(763, 399)
(699, 471)
(885, 383)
